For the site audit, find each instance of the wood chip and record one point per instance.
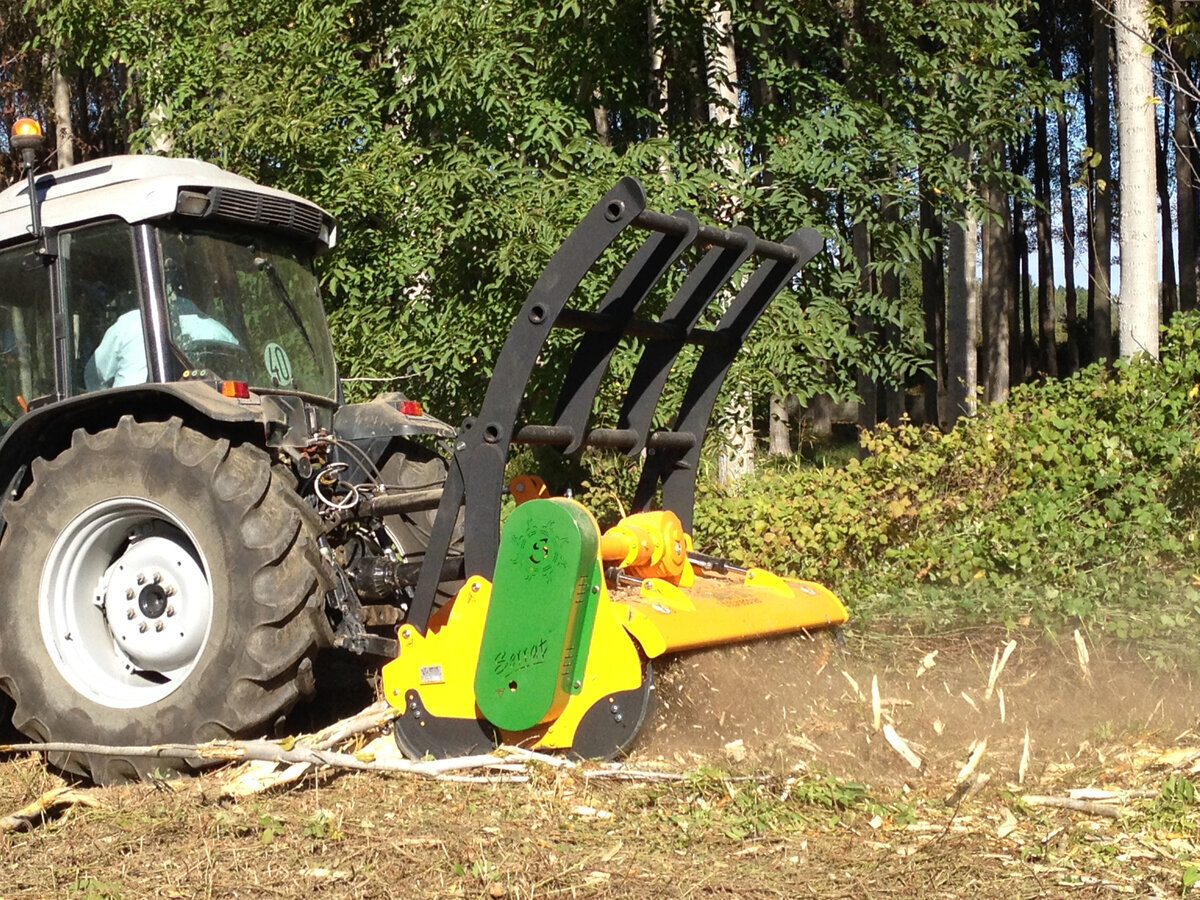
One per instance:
(897, 743)
(1081, 652)
(927, 663)
(1024, 765)
(998, 661)
(978, 748)
(876, 707)
(967, 697)
(1008, 826)
(1003, 709)
(854, 685)
(45, 808)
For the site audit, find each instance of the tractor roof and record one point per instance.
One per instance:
(136, 189)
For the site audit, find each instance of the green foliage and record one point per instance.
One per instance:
(87, 888)
(269, 827)
(1077, 497)
(1174, 807)
(458, 142)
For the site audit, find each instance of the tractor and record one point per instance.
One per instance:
(191, 512)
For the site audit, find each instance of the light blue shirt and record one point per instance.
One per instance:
(121, 357)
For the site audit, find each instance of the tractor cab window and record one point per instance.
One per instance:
(107, 345)
(26, 333)
(246, 307)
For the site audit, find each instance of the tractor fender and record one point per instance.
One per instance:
(385, 416)
(46, 430)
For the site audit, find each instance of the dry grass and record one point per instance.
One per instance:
(776, 823)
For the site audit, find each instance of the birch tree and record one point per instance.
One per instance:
(1139, 309)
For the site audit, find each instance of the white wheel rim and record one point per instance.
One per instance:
(125, 603)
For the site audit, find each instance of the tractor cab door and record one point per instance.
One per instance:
(27, 366)
(102, 301)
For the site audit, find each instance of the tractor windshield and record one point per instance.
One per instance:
(246, 307)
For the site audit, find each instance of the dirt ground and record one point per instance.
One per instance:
(763, 773)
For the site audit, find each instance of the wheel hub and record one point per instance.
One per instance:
(125, 602)
(147, 605)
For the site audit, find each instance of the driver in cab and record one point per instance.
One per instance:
(120, 358)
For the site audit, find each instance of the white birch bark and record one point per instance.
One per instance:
(1138, 310)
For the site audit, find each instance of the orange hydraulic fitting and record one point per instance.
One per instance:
(649, 545)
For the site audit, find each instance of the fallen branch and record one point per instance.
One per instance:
(50, 805)
(270, 751)
(1083, 806)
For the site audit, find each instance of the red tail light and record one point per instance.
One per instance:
(236, 389)
(412, 408)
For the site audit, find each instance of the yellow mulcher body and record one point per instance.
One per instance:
(550, 640)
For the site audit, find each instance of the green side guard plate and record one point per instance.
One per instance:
(539, 621)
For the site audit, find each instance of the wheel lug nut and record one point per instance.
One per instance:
(129, 594)
(158, 577)
(158, 626)
(141, 579)
(142, 628)
(169, 590)
(170, 610)
(130, 614)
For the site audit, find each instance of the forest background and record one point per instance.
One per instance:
(981, 171)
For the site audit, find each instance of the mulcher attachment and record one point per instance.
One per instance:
(547, 656)
(535, 649)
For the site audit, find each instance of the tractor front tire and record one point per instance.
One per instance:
(162, 587)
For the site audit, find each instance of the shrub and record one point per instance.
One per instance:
(1064, 491)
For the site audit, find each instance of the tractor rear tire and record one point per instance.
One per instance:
(163, 586)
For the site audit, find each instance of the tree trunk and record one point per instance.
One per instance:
(1135, 127)
(600, 117)
(1185, 185)
(889, 290)
(996, 290)
(737, 457)
(961, 320)
(1100, 181)
(63, 129)
(1068, 211)
(933, 299)
(820, 409)
(780, 443)
(1021, 343)
(1047, 314)
(1170, 291)
(864, 327)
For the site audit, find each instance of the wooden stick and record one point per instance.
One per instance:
(1081, 652)
(998, 662)
(853, 684)
(897, 743)
(1024, 765)
(876, 709)
(1084, 806)
(976, 754)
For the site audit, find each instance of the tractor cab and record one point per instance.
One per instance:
(149, 269)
